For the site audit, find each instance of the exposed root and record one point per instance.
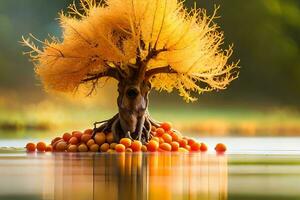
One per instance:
(113, 125)
(105, 126)
(153, 122)
(147, 128)
(114, 129)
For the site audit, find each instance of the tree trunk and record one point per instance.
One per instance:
(133, 120)
(133, 104)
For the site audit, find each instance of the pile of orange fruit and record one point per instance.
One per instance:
(164, 140)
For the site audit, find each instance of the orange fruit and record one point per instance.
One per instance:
(82, 148)
(191, 141)
(61, 146)
(165, 146)
(152, 146)
(126, 142)
(153, 129)
(41, 146)
(195, 146)
(175, 146)
(77, 134)
(112, 145)
(136, 146)
(175, 136)
(155, 139)
(110, 138)
(203, 147)
(167, 138)
(49, 148)
(73, 140)
(99, 138)
(161, 140)
(30, 147)
(94, 148)
(220, 148)
(128, 150)
(120, 148)
(67, 137)
(55, 140)
(183, 143)
(90, 142)
(72, 148)
(88, 131)
(85, 138)
(144, 148)
(159, 132)
(104, 147)
(55, 143)
(166, 126)
(183, 150)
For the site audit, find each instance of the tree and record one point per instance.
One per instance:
(143, 45)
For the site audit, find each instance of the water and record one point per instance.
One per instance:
(258, 168)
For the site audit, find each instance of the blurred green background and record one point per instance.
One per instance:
(264, 101)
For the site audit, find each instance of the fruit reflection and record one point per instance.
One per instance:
(139, 176)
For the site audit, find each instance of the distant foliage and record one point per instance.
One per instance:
(101, 36)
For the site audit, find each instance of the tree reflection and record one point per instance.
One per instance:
(138, 176)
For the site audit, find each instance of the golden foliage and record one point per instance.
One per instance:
(112, 33)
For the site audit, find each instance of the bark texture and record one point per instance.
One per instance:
(133, 120)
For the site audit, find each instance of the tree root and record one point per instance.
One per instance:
(113, 125)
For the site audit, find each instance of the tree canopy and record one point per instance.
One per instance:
(175, 48)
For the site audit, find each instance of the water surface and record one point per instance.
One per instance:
(244, 172)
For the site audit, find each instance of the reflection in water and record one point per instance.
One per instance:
(87, 176)
(135, 176)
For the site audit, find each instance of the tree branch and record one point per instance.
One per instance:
(154, 52)
(111, 72)
(143, 65)
(160, 70)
